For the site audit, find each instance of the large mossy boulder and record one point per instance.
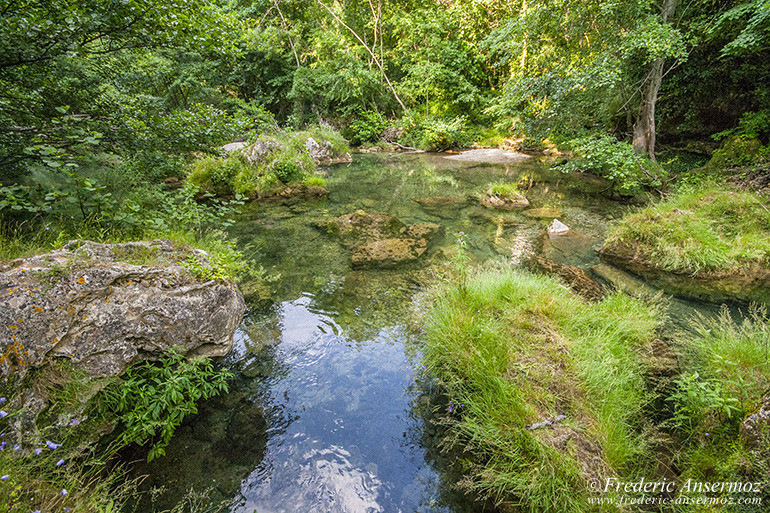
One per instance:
(750, 282)
(712, 244)
(105, 307)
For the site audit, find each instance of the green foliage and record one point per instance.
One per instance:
(218, 175)
(436, 134)
(707, 228)
(282, 159)
(152, 399)
(725, 375)
(493, 343)
(607, 157)
(367, 126)
(739, 151)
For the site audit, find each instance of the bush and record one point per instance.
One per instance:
(152, 399)
(436, 134)
(365, 127)
(607, 157)
(217, 175)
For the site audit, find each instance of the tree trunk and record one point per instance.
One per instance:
(644, 128)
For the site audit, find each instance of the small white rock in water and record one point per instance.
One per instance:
(557, 228)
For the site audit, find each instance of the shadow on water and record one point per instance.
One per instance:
(329, 411)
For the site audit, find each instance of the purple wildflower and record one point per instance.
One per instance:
(4, 478)
(60, 463)
(75, 422)
(17, 447)
(2, 400)
(52, 445)
(38, 450)
(3, 414)
(64, 492)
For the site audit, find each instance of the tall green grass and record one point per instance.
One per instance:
(725, 373)
(511, 349)
(707, 227)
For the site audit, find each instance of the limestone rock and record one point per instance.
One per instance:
(361, 227)
(756, 427)
(749, 283)
(490, 156)
(107, 306)
(557, 228)
(388, 252)
(575, 277)
(257, 151)
(233, 146)
(323, 154)
(425, 231)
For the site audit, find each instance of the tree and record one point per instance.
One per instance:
(644, 127)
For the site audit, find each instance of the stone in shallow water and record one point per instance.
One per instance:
(388, 252)
(512, 202)
(557, 228)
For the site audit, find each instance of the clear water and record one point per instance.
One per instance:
(329, 412)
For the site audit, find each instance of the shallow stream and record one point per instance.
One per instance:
(329, 411)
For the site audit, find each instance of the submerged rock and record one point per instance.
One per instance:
(380, 240)
(105, 307)
(579, 280)
(388, 252)
(509, 202)
(361, 227)
(543, 213)
(748, 283)
(442, 204)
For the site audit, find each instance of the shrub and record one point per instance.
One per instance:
(153, 399)
(365, 127)
(217, 175)
(606, 156)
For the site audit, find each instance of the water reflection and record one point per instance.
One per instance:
(327, 413)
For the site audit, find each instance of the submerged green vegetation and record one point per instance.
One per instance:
(702, 228)
(511, 350)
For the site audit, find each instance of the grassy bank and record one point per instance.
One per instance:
(512, 349)
(725, 375)
(703, 228)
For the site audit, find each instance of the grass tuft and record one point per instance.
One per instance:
(511, 349)
(706, 228)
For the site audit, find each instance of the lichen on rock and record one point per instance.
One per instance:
(105, 307)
